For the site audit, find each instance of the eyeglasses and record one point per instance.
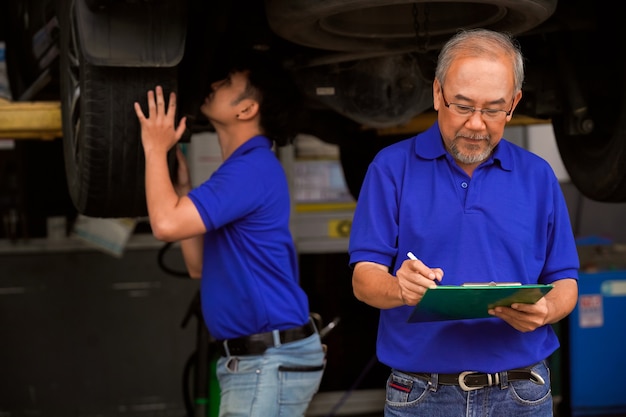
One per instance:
(467, 111)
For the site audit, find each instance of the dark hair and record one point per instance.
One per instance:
(272, 86)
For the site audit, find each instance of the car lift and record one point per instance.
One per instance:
(30, 120)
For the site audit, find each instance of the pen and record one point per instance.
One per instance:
(414, 258)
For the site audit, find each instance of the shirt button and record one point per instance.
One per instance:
(464, 184)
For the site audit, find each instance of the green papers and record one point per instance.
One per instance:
(452, 302)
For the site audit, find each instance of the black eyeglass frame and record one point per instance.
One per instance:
(472, 109)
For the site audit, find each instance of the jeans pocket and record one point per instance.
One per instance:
(232, 364)
(529, 392)
(298, 384)
(284, 368)
(401, 390)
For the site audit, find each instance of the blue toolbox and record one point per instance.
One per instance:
(597, 345)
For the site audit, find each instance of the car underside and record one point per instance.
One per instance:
(362, 66)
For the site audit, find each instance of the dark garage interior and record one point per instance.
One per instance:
(87, 330)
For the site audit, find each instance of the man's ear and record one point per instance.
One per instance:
(516, 100)
(248, 109)
(436, 91)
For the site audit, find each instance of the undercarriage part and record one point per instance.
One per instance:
(380, 25)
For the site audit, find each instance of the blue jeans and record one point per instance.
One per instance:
(280, 382)
(408, 395)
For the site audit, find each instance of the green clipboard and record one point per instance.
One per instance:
(453, 302)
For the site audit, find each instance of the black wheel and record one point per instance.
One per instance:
(591, 131)
(596, 161)
(30, 30)
(380, 25)
(104, 159)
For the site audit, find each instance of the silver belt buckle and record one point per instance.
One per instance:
(462, 384)
(491, 380)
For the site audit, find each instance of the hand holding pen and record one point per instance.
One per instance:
(435, 274)
(414, 278)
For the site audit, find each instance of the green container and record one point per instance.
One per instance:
(214, 390)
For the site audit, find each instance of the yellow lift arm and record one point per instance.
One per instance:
(30, 120)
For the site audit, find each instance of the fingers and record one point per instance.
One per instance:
(180, 156)
(434, 274)
(522, 317)
(438, 273)
(414, 278)
(151, 108)
(151, 104)
(160, 101)
(156, 106)
(139, 112)
(180, 130)
(172, 100)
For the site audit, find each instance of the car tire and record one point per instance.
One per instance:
(104, 160)
(590, 130)
(337, 25)
(595, 162)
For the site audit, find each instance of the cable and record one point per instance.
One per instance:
(373, 360)
(188, 377)
(164, 267)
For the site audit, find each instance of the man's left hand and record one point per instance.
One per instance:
(158, 130)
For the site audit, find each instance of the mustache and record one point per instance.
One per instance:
(473, 136)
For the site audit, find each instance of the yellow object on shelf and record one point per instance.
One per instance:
(30, 120)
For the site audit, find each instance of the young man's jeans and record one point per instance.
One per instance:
(408, 395)
(280, 382)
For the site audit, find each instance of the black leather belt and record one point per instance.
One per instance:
(258, 343)
(469, 380)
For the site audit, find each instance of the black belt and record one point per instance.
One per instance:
(470, 380)
(258, 343)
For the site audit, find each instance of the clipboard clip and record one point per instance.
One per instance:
(490, 284)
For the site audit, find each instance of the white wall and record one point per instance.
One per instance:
(589, 218)
(540, 140)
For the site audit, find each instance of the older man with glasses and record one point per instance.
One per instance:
(468, 202)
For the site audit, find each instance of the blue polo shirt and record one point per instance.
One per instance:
(250, 274)
(508, 222)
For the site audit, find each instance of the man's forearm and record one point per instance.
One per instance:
(192, 254)
(562, 299)
(374, 286)
(161, 196)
